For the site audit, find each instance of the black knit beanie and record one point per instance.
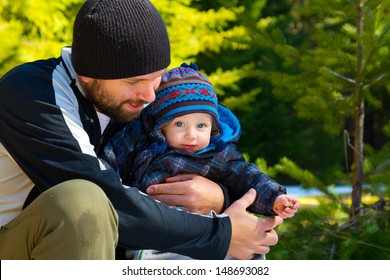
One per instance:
(115, 39)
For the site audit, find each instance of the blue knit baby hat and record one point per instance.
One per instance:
(184, 90)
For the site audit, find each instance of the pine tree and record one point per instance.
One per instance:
(339, 67)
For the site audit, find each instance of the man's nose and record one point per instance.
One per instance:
(147, 94)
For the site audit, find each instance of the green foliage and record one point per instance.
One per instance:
(304, 177)
(338, 71)
(324, 232)
(328, 68)
(34, 29)
(377, 170)
(192, 31)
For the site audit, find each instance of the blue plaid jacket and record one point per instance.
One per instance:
(142, 158)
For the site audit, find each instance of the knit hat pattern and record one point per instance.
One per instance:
(116, 39)
(183, 90)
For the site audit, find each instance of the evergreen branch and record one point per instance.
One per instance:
(366, 3)
(379, 169)
(348, 140)
(357, 241)
(340, 76)
(361, 4)
(384, 32)
(380, 77)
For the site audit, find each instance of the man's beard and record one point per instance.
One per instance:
(105, 103)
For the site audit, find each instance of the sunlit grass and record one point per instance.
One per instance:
(307, 202)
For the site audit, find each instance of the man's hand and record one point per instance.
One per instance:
(193, 193)
(250, 234)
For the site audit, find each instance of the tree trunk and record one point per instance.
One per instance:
(358, 156)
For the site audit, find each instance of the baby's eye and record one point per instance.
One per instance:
(179, 124)
(201, 125)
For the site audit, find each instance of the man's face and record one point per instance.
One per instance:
(122, 99)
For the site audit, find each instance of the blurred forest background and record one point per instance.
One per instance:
(309, 81)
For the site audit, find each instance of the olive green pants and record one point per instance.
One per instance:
(70, 221)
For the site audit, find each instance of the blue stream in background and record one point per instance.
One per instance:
(298, 191)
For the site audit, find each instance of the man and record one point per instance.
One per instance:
(57, 199)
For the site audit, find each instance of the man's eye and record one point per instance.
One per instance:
(132, 83)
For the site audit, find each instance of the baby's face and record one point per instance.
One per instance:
(190, 132)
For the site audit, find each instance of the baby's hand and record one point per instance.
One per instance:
(285, 206)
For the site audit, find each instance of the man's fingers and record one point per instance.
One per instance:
(171, 186)
(169, 189)
(247, 199)
(269, 223)
(273, 222)
(179, 178)
(270, 239)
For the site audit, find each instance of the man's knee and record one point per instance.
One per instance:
(83, 204)
(72, 220)
(83, 217)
